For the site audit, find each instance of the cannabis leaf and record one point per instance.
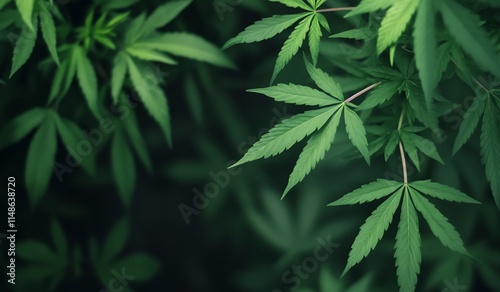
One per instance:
(24, 46)
(310, 23)
(143, 44)
(123, 166)
(464, 26)
(321, 123)
(426, 50)
(21, 126)
(41, 155)
(490, 150)
(486, 106)
(106, 258)
(44, 262)
(34, 13)
(407, 248)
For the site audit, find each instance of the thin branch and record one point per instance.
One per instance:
(403, 160)
(401, 150)
(336, 9)
(475, 80)
(362, 91)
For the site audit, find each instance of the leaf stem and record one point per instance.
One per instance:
(335, 9)
(473, 78)
(401, 150)
(361, 92)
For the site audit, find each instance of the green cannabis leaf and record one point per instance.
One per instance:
(310, 23)
(321, 123)
(407, 248)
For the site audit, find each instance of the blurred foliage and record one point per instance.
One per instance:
(126, 206)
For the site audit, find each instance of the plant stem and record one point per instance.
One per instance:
(335, 9)
(475, 80)
(403, 160)
(361, 92)
(401, 150)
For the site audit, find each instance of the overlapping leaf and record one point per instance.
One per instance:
(310, 23)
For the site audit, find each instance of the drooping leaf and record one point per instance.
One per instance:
(394, 23)
(152, 96)
(115, 241)
(372, 230)
(118, 75)
(21, 126)
(134, 31)
(123, 164)
(292, 45)
(410, 147)
(470, 120)
(287, 133)
(188, 46)
(442, 192)
(88, 81)
(392, 143)
(147, 54)
(141, 265)
(134, 134)
(416, 99)
(41, 154)
(296, 94)
(64, 75)
(407, 249)
(380, 94)
(324, 81)
(264, 29)
(425, 146)
(48, 30)
(26, 8)
(36, 251)
(465, 28)
(24, 46)
(164, 14)
(426, 51)
(314, 151)
(59, 239)
(490, 149)
(71, 136)
(356, 131)
(438, 223)
(369, 192)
